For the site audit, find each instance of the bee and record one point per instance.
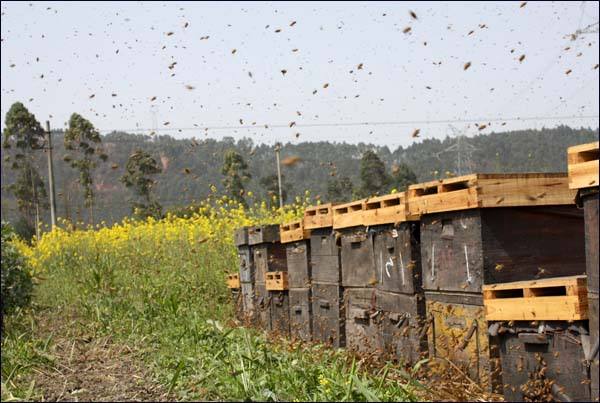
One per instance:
(406, 30)
(413, 15)
(314, 92)
(189, 87)
(499, 267)
(360, 66)
(325, 85)
(568, 72)
(153, 98)
(292, 124)
(292, 23)
(523, 4)
(170, 33)
(467, 65)
(233, 51)
(415, 133)
(283, 72)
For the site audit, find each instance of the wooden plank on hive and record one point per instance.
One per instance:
(387, 209)
(320, 216)
(293, 231)
(537, 308)
(277, 281)
(583, 165)
(233, 281)
(579, 281)
(349, 214)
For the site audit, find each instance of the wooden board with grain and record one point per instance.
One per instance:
(233, 281)
(349, 214)
(560, 298)
(489, 190)
(293, 231)
(320, 216)
(583, 165)
(387, 209)
(277, 281)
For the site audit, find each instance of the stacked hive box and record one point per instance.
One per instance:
(297, 245)
(269, 256)
(233, 283)
(358, 276)
(246, 275)
(399, 301)
(583, 176)
(541, 327)
(485, 229)
(326, 290)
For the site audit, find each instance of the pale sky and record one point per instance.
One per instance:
(414, 78)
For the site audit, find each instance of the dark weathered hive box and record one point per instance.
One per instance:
(401, 320)
(543, 366)
(328, 314)
(325, 257)
(268, 257)
(246, 262)
(240, 236)
(263, 234)
(361, 324)
(398, 257)
(357, 258)
(299, 264)
(262, 305)
(280, 312)
(461, 250)
(300, 313)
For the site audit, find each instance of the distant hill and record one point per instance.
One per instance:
(518, 151)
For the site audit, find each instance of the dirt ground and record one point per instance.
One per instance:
(92, 369)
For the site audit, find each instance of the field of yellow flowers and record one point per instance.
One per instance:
(159, 285)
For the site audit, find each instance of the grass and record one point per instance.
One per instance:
(170, 303)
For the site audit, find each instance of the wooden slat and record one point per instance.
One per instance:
(536, 308)
(583, 165)
(277, 281)
(233, 281)
(349, 214)
(293, 231)
(490, 190)
(320, 216)
(580, 281)
(387, 209)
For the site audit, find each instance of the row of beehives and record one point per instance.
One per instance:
(486, 271)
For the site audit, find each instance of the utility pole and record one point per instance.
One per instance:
(51, 177)
(277, 148)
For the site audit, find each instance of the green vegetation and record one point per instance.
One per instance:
(140, 165)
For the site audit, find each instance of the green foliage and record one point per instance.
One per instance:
(373, 176)
(339, 189)
(140, 166)
(236, 174)
(16, 276)
(271, 187)
(84, 140)
(23, 131)
(401, 177)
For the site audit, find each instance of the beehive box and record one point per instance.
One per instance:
(328, 314)
(246, 262)
(233, 281)
(293, 231)
(325, 257)
(248, 304)
(262, 305)
(547, 365)
(268, 257)
(349, 214)
(589, 198)
(457, 331)
(263, 234)
(361, 324)
(489, 190)
(277, 281)
(300, 313)
(357, 258)
(320, 216)
(398, 257)
(240, 236)
(401, 332)
(582, 161)
(560, 298)
(238, 303)
(387, 209)
(593, 356)
(461, 250)
(299, 264)
(280, 312)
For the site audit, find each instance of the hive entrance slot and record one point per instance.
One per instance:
(391, 202)
(311, 212)
(451, 187)
(425, 191)
(373, 205)
(585, 156)
(516, 293)
(323, 211)
(547, 291)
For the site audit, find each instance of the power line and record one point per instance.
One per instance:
(350, 124)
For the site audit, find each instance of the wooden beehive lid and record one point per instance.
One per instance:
(387, 209)
(233, 281)
(348, 214)
(277, 281)
(240, 236)
(320, 216)
(263, 234)
(583, 165)
(293, 231)
(559, 298)
(490, 190)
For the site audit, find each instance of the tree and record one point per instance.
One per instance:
(374, 179)
(339, 189)
(401, 177)
(24, 132)
(271, 186)
(236, 174)
(84, 140)
(139, 166)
